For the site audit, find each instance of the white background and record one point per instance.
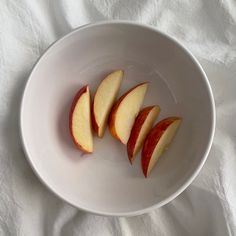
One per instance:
(206, 28)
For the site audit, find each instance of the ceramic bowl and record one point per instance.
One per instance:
(104, 182)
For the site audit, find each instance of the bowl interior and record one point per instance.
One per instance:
(104, 182)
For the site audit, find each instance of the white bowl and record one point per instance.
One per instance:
(104, 182)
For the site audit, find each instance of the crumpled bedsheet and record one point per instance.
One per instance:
(206, 28)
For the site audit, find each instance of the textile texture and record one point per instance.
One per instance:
(206, 28)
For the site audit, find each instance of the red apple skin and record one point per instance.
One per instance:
(76, 98)
(151, 141)
(112, 117)
(136, 131)
(93, 120)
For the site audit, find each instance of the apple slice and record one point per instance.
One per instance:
(104, 99)
(141, 128)
(80, 120)
(158, 141)
(124, 112)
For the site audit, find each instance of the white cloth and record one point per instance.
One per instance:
(207, 28)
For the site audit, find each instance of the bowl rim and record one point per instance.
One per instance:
(203, 158)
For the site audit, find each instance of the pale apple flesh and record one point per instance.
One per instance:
(157, 141)
(142, 125)
(80, 121)
(124, 112)
(104, 99)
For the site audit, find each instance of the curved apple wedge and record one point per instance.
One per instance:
(103, 101)
(142, 125)
(80, 120)
(157, 141)
(124, 112)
